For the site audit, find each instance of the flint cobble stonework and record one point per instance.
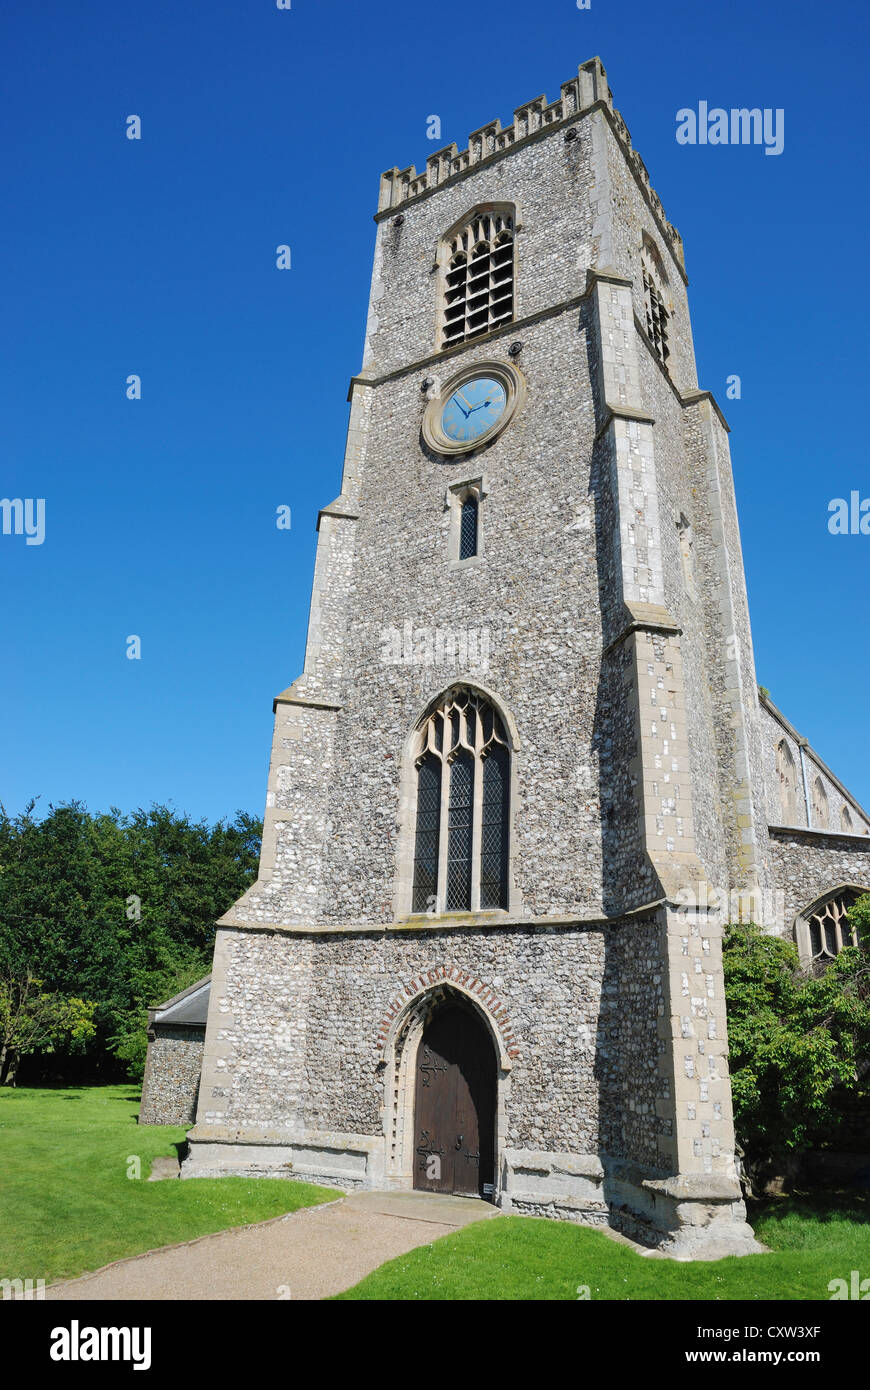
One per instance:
(171, 1084)
(583, 1006)
(804, 866)
(611, 635)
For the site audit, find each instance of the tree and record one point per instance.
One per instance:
(859, 917)
(114, 908)
(130, 1042)
(34, 1020)
(797, 1042)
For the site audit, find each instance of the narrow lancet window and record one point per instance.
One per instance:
(468, 523)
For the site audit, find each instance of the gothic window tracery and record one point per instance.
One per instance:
(461, 856)
(479, 277)
(829, 928)
(820, 806)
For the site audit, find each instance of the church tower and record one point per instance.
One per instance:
(480, 956)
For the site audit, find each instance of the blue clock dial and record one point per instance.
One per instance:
(473, 410)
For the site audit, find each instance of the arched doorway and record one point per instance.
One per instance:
(454, 1105)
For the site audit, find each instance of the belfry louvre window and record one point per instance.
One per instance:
(656, 316)
(655, 281)
(461, 855)
(479, 279)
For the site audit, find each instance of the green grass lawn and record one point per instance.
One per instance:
(521, 1258)
(67, 1204)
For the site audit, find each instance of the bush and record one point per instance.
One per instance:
(797, 1041)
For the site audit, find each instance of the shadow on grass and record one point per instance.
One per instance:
(842, 1205)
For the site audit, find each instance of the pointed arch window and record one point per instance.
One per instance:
(478, 261)
(820, 806)
(824, 930)
(655, 282)
(462, 848)
(785, 770)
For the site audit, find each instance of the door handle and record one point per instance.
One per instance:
(459, 1142)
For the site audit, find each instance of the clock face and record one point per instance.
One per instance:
(473, 410)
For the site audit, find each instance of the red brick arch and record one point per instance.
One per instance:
(466, 982)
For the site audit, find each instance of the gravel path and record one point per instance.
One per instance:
(307, 1255)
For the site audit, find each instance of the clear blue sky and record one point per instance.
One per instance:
(157, 257)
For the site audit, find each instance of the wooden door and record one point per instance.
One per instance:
(455, 1106)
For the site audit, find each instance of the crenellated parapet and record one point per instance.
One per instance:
(587, 90)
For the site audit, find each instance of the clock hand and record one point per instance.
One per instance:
(458, 396)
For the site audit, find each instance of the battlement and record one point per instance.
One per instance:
(585, 91)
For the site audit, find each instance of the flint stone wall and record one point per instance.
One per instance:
(304, 1014)
(806, 865)
(171, 1083)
